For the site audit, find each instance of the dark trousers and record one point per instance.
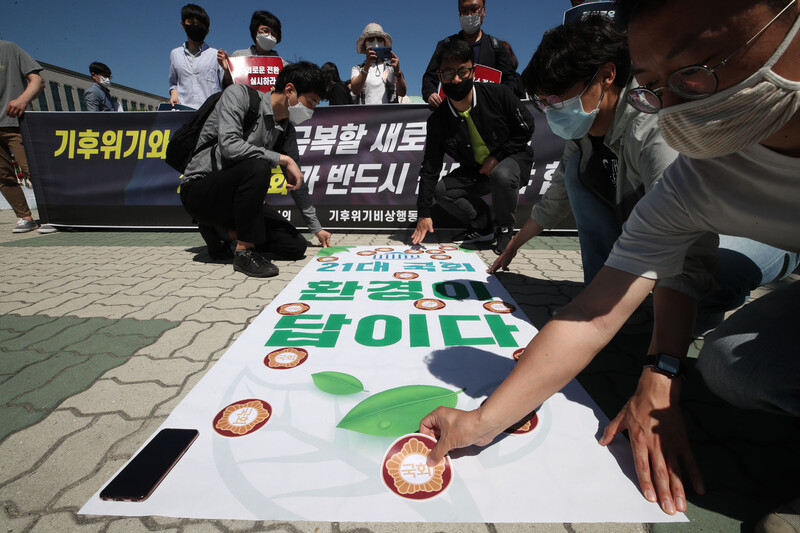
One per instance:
(459, 193)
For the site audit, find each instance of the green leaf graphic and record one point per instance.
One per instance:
(332, 250)
(337, 383)
(397, 412)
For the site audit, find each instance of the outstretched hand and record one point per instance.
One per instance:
(502, 261)
(658, 439)
(452, 428)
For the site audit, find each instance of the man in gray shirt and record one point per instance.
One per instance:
(20, 83)
(225, 183)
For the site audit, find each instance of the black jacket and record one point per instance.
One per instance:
(492, 54)
(502, 121)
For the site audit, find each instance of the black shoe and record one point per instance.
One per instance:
(472, 236)
(504, 235)
(217, 248)
(251, 263)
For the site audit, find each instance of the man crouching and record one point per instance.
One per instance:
(225, 183)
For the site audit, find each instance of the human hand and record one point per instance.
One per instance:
(294, 176)
(394, 62)
(424, 225)
(173, 98)
(488, 165)
(222, 58)
(503, 261)
(453, 428)
(324, 238)
(372, 58)
(434, 100)
(658, 438)
(16, 107)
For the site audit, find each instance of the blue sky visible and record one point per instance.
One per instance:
(135, 38)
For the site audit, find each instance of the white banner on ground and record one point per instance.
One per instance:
(299, 419)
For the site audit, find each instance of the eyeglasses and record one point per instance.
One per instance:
(693, 82)
(554, 101)
(470, 10)
(449, 74)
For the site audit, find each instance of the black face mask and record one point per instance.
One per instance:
(195, 32)
(457, 91)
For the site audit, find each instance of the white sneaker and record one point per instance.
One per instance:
(24, 226)
(47, 228)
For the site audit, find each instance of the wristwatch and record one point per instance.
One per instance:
(666, 364)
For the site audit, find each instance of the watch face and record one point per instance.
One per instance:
(669, 364)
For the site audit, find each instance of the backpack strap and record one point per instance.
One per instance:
(251, 117)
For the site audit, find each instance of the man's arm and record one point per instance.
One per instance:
(16, 107)
(529, 230)
(510, 77)
(94, 99)
(173, 80)
(430, 81)
(555, 356)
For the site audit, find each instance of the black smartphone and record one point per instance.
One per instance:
(143, 473)
(384, 52)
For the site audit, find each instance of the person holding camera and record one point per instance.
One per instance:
(378, 80)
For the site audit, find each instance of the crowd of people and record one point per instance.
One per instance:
(681, 178)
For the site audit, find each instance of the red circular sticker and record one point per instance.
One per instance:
(293, 309)
(434, 251)
(286, 358)
(405, 472)
(517, 354)
(440, 257)
(449, 248)
(406, 275)
(413, 251)
(329, 259)
(365, 252)
(429, 304)
(242, 418)
(496, 306)
(385, 250)
(526, 425)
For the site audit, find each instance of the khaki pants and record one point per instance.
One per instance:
(11, 141)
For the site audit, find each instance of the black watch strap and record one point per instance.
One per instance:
(666, 364)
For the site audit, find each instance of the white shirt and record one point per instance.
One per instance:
(374, 89)
(196, 77)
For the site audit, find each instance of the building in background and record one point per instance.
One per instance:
(64, 88)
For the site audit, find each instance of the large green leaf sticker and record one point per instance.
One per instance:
(337, 383)
(332, 250)
(397, 412)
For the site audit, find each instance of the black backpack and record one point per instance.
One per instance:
(181, 147)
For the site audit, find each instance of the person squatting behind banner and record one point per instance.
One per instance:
(226, 183)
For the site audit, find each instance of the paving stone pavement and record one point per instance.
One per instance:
(103, 333)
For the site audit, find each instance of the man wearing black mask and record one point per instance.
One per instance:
(486, 130)
(194, 72)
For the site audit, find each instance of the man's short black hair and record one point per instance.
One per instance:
(330, 72)
(265, 18)
(190, 11)
(574, 52)
(457, 49)
(100, 69)
(627, 10)
(305, 76)
(461, 1)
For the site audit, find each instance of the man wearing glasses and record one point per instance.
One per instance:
(486, 130)
(487, 50)
(725, 83)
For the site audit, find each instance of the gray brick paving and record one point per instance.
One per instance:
(110, 330)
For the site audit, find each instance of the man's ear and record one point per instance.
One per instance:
(608, 73)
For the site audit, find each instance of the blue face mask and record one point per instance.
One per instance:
(571, 121)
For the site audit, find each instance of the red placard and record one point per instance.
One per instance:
(483, 74)
(258, 72)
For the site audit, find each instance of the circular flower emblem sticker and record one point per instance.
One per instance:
(440, 257)
(293, 309)
(405, 472)
(286, 358)
(406, 275)
(449, 248)
(329, 259)
(496, 306)
(517, 353)
(429, 304)
(384, 250)
(526, 425)
(413, 251)
(242, 418)
(433, 251)
(365, 252)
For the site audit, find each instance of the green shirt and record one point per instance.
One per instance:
(479, 147)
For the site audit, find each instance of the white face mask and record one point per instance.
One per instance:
(299, 113)
(737, 117)
(265, 41)
(373, 44)
(105, 82)
(470, 23)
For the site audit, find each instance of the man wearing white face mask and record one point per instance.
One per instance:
(705, 75)
(225, 183)
(265, 30)
(488, 51)
(377, 80)
(97, 96)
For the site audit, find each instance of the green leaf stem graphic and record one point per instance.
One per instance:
(337, 383)
(397, 412)
(332, 250)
